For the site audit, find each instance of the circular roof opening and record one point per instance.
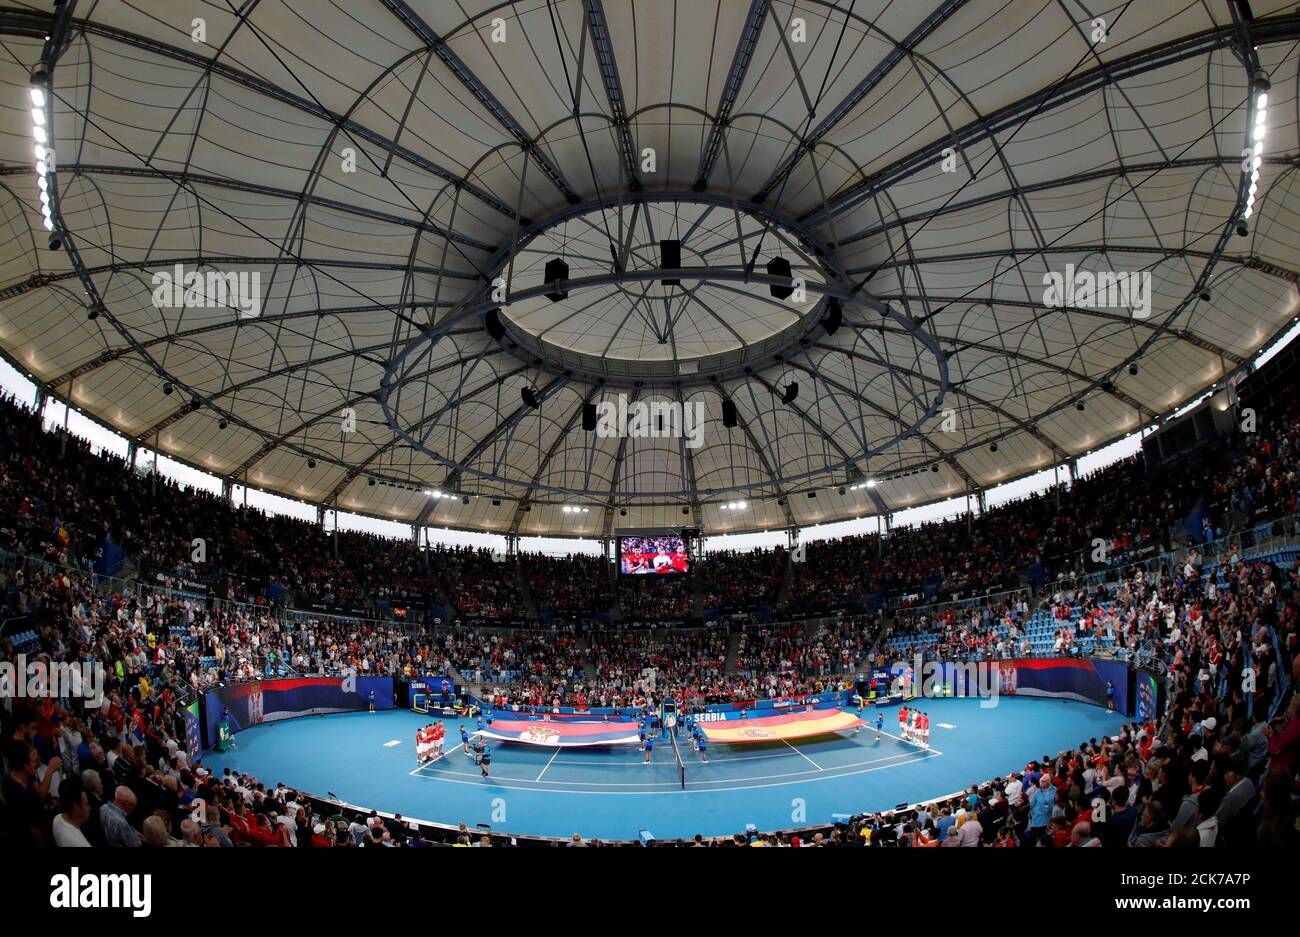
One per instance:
(621, 327)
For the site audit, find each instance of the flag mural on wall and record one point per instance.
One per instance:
(192, 743)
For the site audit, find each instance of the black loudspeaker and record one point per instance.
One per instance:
(780, 267)
(529, 397)
(791, 392)
(670, 258)
(729, 419)
(588, 416)
(556, 272)
(834, 316)
(492, 322)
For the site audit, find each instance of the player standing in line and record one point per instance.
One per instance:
(902, 722)
(421, 745)
(925, 730)
(914, 729)
(437, 734)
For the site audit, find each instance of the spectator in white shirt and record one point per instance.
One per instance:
(1014, 790)
(76, 810)
(969, 833)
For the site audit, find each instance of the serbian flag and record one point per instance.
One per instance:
(562, 734)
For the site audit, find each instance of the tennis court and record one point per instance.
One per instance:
(609, 792)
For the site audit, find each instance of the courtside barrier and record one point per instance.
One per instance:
(253, 702)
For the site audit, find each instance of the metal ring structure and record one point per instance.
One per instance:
(393, 378)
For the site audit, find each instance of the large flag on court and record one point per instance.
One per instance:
(779, 728)
(567, 734)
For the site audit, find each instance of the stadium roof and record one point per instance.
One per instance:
(378, 164)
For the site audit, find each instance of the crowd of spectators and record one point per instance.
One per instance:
(481, 584)
(654, 601)
(570, 586)
(1217, 769)
(736, 581)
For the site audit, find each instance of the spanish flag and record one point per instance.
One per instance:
(780, 728)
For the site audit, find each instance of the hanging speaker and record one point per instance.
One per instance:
(780, 267)
(529, 397)
(588, 416)
(729, 415)
(670, 258)
(557, 271)
(834, 315)
(492, 322)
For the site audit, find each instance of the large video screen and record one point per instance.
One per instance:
(650, 556)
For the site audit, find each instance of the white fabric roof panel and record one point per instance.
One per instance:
(229, 157)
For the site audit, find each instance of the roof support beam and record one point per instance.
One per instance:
(887, 414)
(960, 346)
(731, 91)
(598, 28)
(759, 451)
(1271, 29)
(1253, 263)
(272, 444)
(361, 467)
(187, 407)
(607, 523)
(897, 54)
(271, 90)
(1182, 334)
(250, 261)
(412, 21)
(1019, 423)
(109, 357)
(550, 454)
(1049, 184)
(182, 179)
(505, 426)
(687, 458)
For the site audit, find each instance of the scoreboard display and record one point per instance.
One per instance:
(653, 555)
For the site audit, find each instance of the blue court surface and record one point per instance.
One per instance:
(368, 759)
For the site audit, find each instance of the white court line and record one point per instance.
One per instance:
(805, 757)
(548, 789)
(715, 760)
(433, 761)
(918, 747)
(549, 785)
(548, 764)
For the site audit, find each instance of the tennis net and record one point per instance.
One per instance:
(677, 753)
